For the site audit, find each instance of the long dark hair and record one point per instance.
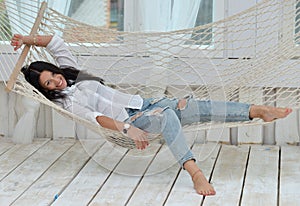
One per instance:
(33, 71)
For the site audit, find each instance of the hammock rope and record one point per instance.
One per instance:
(249, 57)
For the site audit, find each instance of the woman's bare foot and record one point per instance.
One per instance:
(201, 185)
(268, 113)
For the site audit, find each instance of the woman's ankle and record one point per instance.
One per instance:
(191, 167)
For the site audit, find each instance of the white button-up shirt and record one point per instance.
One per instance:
(90, 98)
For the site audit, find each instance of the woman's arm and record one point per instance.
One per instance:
(139, 136)
(54, 45)
(38, 40)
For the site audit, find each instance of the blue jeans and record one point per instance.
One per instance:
(162, 116)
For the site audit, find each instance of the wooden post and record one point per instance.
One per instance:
(14, 75)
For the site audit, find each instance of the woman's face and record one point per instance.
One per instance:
(51, 81)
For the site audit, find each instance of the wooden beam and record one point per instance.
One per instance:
(13, 77)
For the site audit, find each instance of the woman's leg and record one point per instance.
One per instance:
(206, 111)
(175, 141)
(166, 122)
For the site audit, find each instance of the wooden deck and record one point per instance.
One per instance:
(93, 172)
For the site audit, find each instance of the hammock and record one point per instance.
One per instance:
(249, 57)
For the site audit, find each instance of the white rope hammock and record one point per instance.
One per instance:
(250, 57)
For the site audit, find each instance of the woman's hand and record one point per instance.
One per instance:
(139, 137)
(37, 40)
(17, 41)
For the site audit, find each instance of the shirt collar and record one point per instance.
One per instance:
(69, 90)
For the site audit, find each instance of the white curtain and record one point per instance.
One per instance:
(19, 12)
(160, 15)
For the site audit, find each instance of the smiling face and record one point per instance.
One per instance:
(51, 81)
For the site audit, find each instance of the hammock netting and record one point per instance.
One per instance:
(249, 57)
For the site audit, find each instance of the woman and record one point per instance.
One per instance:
(87, 96)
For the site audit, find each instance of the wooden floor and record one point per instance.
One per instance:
(93, 172)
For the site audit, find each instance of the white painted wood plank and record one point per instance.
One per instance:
(92, 177)
(286, 129)
(110, 155)
(64, 170)
(289, 176)
(183, 192)
(228, 176)
(30, 170)
(250, 134)
(89, 148)
(262, 176)
(17, 154)
(12, 117)
(58, 131)
(260, 165)
(157, 181)
(136, 161)
(220, 134)
(5, 144)
(159, 178)
(165, 159)
(125, 178)
(4, 112)
(47, 117)
(44, 125)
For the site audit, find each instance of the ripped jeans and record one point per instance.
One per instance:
(162, 116)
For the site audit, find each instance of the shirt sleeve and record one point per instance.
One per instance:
(61, 52)
(83, 112)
